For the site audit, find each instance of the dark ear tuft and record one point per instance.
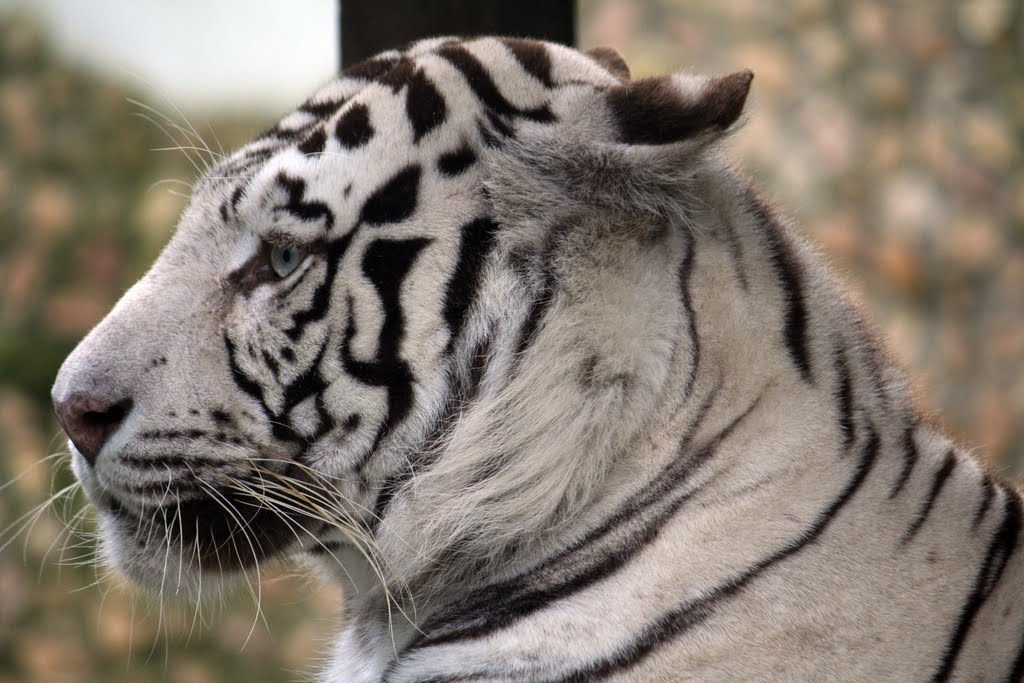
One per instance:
(726, 95)
(612, 61)
(637, 147)
(668, 109)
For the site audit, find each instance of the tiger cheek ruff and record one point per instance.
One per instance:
(500, 337)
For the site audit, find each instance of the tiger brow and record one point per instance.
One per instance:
(279, 236)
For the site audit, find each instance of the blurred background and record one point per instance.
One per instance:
(891, 133)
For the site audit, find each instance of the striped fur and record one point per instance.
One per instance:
(554, 390)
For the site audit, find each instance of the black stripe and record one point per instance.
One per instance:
(395, 200)
(533, 57)
(1004, 543)
(242, 381)
(464, 391)
(988, 492)
(272, 365)
(1017, 671)
(736, 252)
(251, 388)
(874, 356)
(479, 360)
(285, 134)
(254, 157)
(685, 276)
(371, 68)
(354, 129)
(398, 76)
(910, 458)
(600, 553)
(941, 477)
(321, 110)
(236, 196)
(542, 301)
(299, 207)
(314, 143)
(844, 396)
(455, 162)
(682, 618)
(483, 86)
(321, 300)
(476, 240)
(386, 264)
(1009, 545)
(790, 273)
(488, 138)
(424, 105)
(309, 383)
(545, 294)
(326, 421)
(499, 126)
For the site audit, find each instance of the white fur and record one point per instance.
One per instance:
(665, 343)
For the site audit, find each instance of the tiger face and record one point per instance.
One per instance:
(319, 319)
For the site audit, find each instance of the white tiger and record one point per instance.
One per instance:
(500, 336)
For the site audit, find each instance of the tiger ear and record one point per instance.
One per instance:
(677, 108)
(633, 147)
(612, 61)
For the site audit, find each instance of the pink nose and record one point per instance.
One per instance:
(90, 421)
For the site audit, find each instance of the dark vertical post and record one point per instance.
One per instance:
(371, 26)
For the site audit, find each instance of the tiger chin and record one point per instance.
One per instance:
(501, 337)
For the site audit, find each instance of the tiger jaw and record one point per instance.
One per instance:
(175, 539)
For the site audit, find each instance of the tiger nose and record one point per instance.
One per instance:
(90, 421)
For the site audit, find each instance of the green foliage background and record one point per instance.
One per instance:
(891, 132)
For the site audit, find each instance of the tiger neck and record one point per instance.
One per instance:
(749, 406)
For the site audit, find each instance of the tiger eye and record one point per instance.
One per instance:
(285, 259)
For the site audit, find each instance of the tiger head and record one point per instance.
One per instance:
(416, 317)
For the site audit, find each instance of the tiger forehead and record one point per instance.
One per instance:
(490, 67)
(373, 128)
(515, 64)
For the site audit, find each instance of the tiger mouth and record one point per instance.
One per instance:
(214, 534)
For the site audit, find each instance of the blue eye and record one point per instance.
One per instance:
(284, 260)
